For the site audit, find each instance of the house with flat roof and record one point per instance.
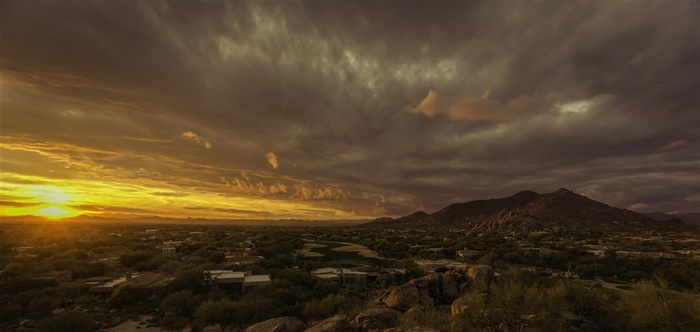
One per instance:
(341, 276)
(109, 285)
(235, 281)
(432, 265)
(469, 254)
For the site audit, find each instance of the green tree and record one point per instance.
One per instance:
(182, 303)
(129, 294)
(12, 270)
(653, 307)
(191, 279)
(221, 312)
(173, 322)
(330, 305)
(74, 321)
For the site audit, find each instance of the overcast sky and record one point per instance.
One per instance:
(323, 109)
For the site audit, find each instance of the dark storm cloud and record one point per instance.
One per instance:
(381, 107)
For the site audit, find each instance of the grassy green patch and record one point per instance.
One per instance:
(341, 257)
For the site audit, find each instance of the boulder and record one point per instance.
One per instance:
(450, 283)
(481, 274)
(434, 281)
(423, 286)
(337, 323)
(570, 316)
(467, 303)
(589, 327)
(411, 329)
(377, 319)
(280, 324)
(403, 297)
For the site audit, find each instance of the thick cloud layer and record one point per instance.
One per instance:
(330, 110)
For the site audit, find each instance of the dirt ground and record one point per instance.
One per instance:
(135, 325)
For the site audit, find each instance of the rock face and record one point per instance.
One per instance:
(377, 319)
(466, 303)
(449, 285)
(436, 288)
(337, 323)
(403, 297)
(411, 329)
(481, 274)
(280, 324)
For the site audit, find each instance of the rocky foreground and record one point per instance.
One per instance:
(450, 293)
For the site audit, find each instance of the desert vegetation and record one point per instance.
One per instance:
(545, 281)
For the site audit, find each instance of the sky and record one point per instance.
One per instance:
(344, 109)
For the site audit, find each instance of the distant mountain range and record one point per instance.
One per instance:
(688, 218)
(528, 210)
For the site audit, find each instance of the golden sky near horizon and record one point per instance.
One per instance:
(247, 110)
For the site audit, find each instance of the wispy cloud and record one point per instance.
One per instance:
(678, 144)
(189, 135)
(478, 108)
(272, 160)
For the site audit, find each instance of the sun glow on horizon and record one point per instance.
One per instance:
(55, 211)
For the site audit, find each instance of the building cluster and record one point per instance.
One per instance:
(360, 275)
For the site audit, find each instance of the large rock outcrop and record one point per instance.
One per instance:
(466, 303)
(438, 288)
(481, 275)
(337, 323)
(411, 329)
(280, 324)
(450, 286)
(403, 297)
(377, 319)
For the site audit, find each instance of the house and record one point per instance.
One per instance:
(469, 254)
(109, 285)
(243, 257)
(235, 281)
(431, 266)
(169, 247)
(383, 276)
(168, 250)
(24, 252)
(436, 251)
(58, 276)
(341, 276)
(254, 281)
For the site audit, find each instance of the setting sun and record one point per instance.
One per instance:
(56, 211)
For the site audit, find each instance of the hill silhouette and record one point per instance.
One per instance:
(526, 210)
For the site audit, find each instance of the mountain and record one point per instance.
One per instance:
(526, 210)
(483, 208)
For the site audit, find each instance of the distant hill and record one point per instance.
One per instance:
(688, 218)
(526, 210)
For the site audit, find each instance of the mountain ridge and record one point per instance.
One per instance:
(527, 210)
